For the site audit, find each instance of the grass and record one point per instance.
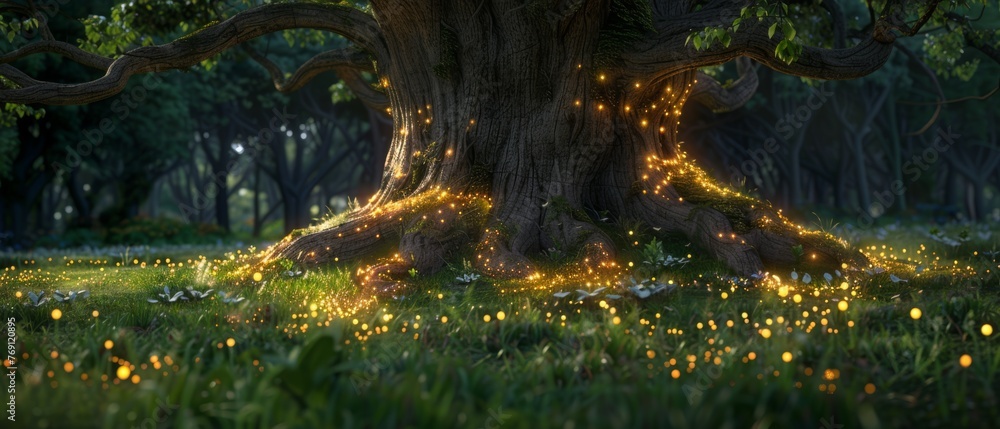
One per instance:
(311, 351)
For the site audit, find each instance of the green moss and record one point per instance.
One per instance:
(734, 207)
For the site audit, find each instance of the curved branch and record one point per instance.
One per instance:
(347, 63)
(353, 24)
(371, 97)
(669, 52)
(713, 95)
(14, 75)
(62, 48)
(346, 58)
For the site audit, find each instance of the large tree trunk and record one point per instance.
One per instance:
(520, 115)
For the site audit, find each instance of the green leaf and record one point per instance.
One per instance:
(789, 30)
(771, 29)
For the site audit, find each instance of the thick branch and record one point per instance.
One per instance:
(62, 48)
(347, 63)
(357, 26)
(669, 52)
(17, 76)
(347, 58)
(713, 95)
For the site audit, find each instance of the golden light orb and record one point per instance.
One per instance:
(123, 372)
(965, 361)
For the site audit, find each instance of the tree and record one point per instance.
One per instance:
(515, 121)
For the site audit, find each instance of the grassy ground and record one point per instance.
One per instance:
(311, 351)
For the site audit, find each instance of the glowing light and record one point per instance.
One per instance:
(258, 277)
(230, 342)
(56, 314)
(786, 356)
(869, 388)
(965, 361)
(68, 367)
(123, 372)
(486, 318)
(444, 319)
(501, 315)
(915, 313)
(108, 344)
(987, 330)
(766, 333)
(842, 305)
(95, 313)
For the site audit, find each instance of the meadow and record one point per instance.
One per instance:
(908, 341)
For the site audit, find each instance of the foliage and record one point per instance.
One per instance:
(188, 294)
(71, 297)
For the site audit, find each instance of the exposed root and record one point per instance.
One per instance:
(495, 258)
(567, 232)
(430, 242)
(706, 228)
(361, 234)
(384, 279)
(434, 215)
(744, 233)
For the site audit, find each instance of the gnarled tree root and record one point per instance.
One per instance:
(745, 234)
